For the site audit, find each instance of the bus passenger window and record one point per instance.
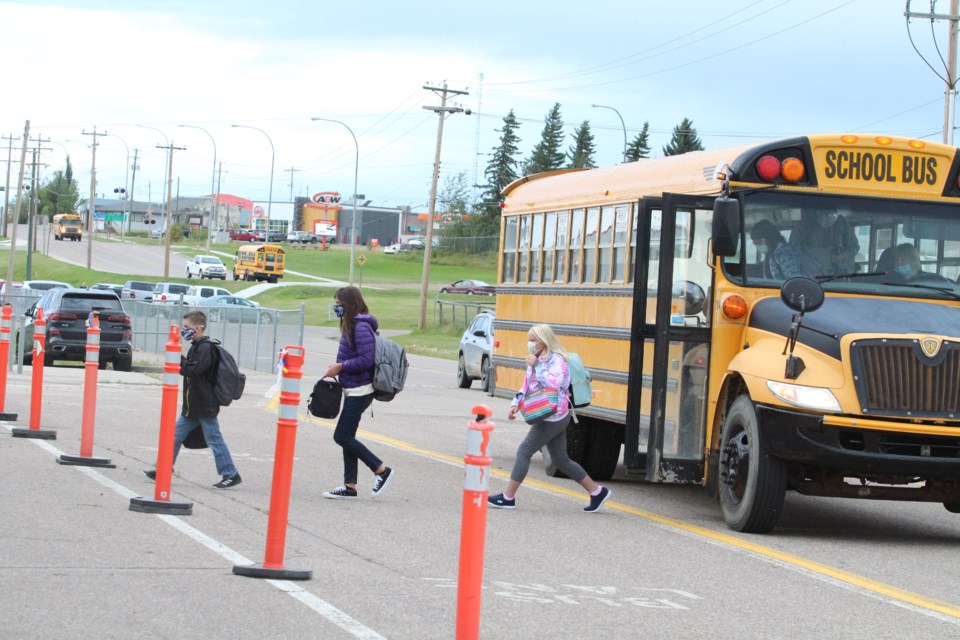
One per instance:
(563, 224)
(509, 250)
(606, 245)
(622, 215)
(549, 247)
(536, 241)
(589, 274)
(576, 242)
(524, 244)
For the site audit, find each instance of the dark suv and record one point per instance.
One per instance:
(66, 312)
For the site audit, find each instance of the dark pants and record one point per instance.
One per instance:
(345, 435)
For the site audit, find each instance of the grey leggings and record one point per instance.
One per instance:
(554, 436)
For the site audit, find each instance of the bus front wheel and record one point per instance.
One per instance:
(603, 451)
(576, 449)
(752, 482)
(952, 507)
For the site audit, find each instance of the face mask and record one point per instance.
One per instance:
(902, 269)
(187, 333)
(532, 347)
(338, 310)
(827, 219)
(762, 250)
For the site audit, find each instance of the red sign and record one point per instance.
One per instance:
(258, 211)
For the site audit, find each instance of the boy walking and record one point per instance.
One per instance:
(200, 407)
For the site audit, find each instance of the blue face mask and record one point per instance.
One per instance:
(902, 269)
(338, 310)
(187, 333)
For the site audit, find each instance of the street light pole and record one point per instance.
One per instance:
(603, 106)
(273, 156)
(356, 168)
(91, 225)
(126, 185)
(166, 141)
(213, 182)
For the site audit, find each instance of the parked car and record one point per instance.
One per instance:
(235, 309)
(206, 267)
(66, 312)
(274, 236)
(106, 286)
(420, 243)
(243, 235)
(168, 292)
(137, 290)
(45, 285)
(397, 248)
(302, 237)
(197, 294)
(475, 352)
(469, 287)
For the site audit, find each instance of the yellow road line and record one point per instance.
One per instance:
(862, 582)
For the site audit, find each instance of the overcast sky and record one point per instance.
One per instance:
(741, 70)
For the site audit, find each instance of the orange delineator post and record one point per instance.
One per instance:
(91, 365)
(473, 525)
(292, 371)
(6, 318)
(36, 389)
(161, 502)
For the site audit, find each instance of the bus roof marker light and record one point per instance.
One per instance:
(884, 140)
(917, 144)
(734, 306)
(793, 170)
(849, 139)
(768, 168)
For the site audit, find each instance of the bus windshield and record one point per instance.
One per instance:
(858, 245)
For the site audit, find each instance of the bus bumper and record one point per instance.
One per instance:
(804, 438)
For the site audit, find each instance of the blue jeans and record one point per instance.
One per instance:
(211, 432)
(345, 435)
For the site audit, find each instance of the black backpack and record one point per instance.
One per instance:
(325, 400)
(228, 380)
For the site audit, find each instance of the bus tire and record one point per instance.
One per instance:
(463, 380)
(952, 507)
(576, 448)
(752, 483)
(603, 451)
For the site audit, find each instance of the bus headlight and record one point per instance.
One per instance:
(807, 397)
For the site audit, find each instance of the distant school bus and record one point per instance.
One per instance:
(67, 225)
(259, 262)
(828, 365)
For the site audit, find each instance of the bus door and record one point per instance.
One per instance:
(669, 344)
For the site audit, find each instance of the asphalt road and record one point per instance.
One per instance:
(655, 560)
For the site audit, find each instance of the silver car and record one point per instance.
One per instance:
(476, 347)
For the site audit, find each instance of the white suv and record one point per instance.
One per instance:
(195, 294)
(169, 292)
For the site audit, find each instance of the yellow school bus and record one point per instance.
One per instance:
(829, 365)
(259, 262)
(67, 225)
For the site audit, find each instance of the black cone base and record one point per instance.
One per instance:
(8, 417)
(38, 434)
(259, 571)
(86, 462)
(170, 507)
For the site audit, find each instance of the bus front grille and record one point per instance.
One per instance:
(907, 378)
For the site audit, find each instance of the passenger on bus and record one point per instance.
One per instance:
(778, 259)
(907, 261)
(828, 238)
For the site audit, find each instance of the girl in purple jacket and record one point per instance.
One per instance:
(355, 367)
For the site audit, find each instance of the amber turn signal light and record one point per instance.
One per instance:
(734, 307)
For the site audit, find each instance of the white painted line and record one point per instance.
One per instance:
(324, 608)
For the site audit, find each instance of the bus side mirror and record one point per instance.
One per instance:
(725, 231)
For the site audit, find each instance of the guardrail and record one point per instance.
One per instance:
(476, 307)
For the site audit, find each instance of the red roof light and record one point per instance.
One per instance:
(768, 168)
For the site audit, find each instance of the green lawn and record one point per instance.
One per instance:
(390, 283)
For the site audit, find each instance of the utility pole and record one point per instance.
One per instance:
(16, 213)
(290, 171)
(951, 79)
(166, 254)
(93, 194)
(133, 179)
(443, 111)
(6, 190)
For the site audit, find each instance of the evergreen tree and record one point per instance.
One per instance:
(639, 147)
(501, 169)
(547, 155)
(59, 194)
(453, 194)
(684, 139)
(581, 152)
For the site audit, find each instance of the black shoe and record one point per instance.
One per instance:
(151, 474)
(343, 492)
(597, 501)
(380, 483)
(232, 481)
(500, 501)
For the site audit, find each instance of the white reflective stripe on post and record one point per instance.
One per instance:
(475, 478)
(288, 411)
(4, 325)
(93, 355)
(93, 339)
(40, 329)
(171, 378)
(290, 385)
(475, 443)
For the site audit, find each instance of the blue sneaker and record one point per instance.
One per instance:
(597, 501)
(500, 501)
